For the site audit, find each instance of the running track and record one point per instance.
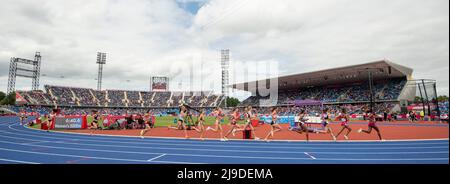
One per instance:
(22, 145)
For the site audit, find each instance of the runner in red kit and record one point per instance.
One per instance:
(372, 125)
(344, 118)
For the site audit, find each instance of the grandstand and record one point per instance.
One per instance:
(89, 98)
(340, 86)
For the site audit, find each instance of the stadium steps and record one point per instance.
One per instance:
(182, 97)
(140, 99)
(52, 96)
(94, 97)
(170, 101)
(76, 99)
(153, 99)
(215, 101)
(382, 90)
(33, 101)
(106, 98)
(125, 100)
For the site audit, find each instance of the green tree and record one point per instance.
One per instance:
(232, 102)
(10, 99)
(2, 95)
(417, 99)
(443, 98)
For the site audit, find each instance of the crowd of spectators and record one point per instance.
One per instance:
(161, 99)
(116, 98)
(100, 96)
(443, 107)
(61, 95)
(84, 97)
(382, 91)
(134, 99)
(358, 109)
(211, 100)
(177, 99)
(196, 99)
(37, 97)
(147, 98)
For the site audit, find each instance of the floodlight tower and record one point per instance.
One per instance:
(225, 63)
(101, 60)
(20, 67)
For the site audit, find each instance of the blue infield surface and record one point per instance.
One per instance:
(21, 145)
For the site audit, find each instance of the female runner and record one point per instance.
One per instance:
(234, 126)
(94, 124)
(148, 124)
(274, 126)
(372, 125)
(248, 121)
(302, 124)
(181, 119)
(326, 124)
(51, 119)
(344, 118)
(218, 128)
(201, 124)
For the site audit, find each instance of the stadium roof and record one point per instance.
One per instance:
(383, 69)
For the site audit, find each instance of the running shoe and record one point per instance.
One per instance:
(346, 138)
(360, 130)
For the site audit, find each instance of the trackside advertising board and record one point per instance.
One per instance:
(69, 122)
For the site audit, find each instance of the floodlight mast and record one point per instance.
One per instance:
(101, 60)
(225, 63)
(26, 72)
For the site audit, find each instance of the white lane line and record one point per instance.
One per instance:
(155, 153)
(35, 142)
(133, 160)
(310, 155)
(149, 160)
(184, 155)
(248, 142)
(194, 144)
(18, 161)
(386, 159)
(91, 157)
(209, 150)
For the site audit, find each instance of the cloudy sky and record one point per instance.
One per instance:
(146, 38)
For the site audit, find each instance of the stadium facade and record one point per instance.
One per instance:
(343, 85)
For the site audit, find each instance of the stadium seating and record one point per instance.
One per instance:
(116, 98)
(36, 97)
(84, 97)
(62, 95)
(383, 91)
(134, 99)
